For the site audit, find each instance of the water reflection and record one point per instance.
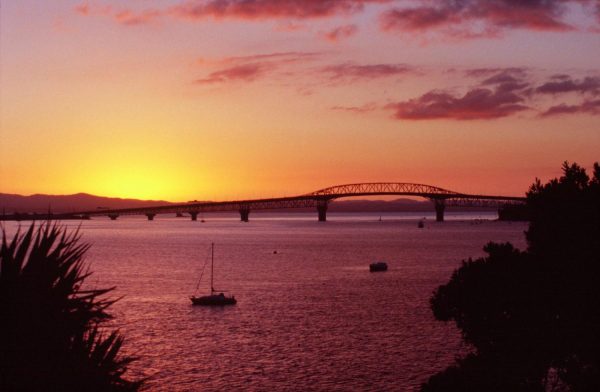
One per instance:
(310, 317)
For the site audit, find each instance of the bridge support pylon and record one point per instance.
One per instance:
(150, 216)
(322, 210)
(244, 213)
(440, 206)
(113, 216)
(194, 215)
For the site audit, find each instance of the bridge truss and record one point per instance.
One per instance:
(384, 188)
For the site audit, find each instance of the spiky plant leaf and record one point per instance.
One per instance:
(49, 325)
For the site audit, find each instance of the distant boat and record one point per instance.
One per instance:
(377, 267)
(213, 299)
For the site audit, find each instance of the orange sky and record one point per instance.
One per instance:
(207, 99)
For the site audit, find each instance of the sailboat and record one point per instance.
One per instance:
(213, 299)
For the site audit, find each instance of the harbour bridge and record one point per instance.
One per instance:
(320, 200)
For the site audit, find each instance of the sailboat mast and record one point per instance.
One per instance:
(212, 262)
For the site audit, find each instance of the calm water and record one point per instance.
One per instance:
(310, 317)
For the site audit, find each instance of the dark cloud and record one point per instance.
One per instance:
(370, 71)
(560, 77)
(564, 84)
(476, 104)
(488, 72)
(509, 80)
(472, 18)
(588, 107)
(501, 93)
(505, 76)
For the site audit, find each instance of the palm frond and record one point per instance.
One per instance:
(50, 325)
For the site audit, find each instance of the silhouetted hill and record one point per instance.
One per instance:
(67, 203)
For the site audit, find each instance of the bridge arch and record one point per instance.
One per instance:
(436, 194)
(384, 188)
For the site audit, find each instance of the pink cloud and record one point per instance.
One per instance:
(245, 72)
(83, 9)
(129, 18)
(269, 9)
(288, 26)
(252, 67)
(279, 57)
(124, 17)
(284, 64)
(368, 107)
(533, 15)
(420, 18)
(458, 17)
(340, 33)
(194, 10)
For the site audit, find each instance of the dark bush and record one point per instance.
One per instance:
(533, 317)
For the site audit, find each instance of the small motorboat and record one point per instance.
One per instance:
(378, 267)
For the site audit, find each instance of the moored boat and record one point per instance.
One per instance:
(377, 267)
(213, 299)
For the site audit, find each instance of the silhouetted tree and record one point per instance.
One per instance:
(532, 318)
(50, 327)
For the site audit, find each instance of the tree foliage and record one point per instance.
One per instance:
(50, 331)
(532, 317)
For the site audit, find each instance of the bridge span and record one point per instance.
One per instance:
(320, 200)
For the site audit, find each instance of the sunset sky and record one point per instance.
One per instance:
(225, 99)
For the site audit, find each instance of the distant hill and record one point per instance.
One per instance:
(10, 203)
